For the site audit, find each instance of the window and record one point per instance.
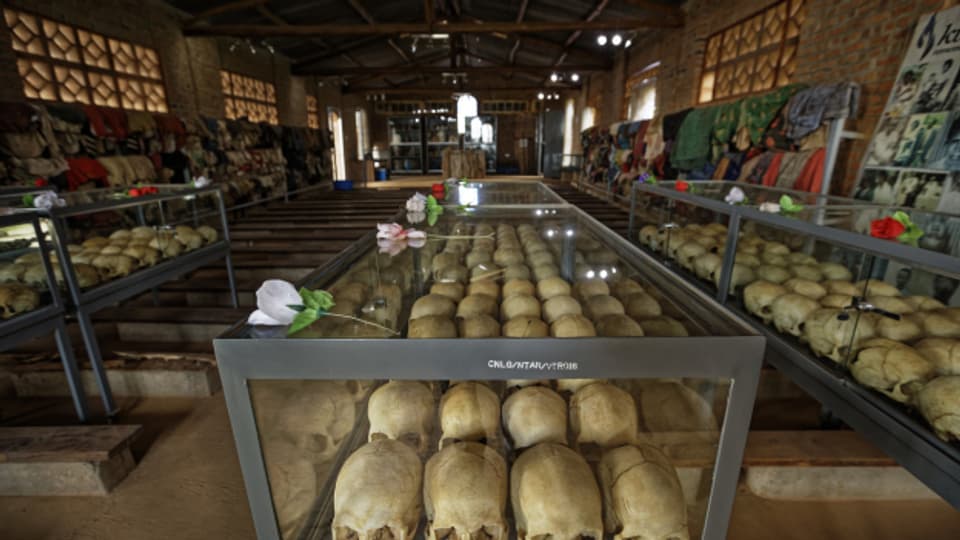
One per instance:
(59, 62)
(337, 155)
(754, 55)
(313, 113)
(569, 111)
(248, 97)
(363, 139)
(588, 118)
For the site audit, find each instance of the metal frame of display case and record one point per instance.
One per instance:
(47, 319)
(736, 357)
(87, 302)
(914, 446)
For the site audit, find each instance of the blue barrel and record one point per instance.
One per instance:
(381, 174)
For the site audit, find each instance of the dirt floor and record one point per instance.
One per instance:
(188, 486)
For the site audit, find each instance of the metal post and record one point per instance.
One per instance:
(71, 370)
(89, 334)
(729, 257)
(631, 223)
(834, 136)
(228, 258)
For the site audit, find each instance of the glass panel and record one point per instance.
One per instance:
(510, 444)
(23, 282)
(61, 41)
(94, 49)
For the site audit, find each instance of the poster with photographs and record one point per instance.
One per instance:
(915, 150)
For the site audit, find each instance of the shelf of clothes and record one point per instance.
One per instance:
(777, 139)
(74, 146)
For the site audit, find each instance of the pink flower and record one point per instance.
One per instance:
(392, 238)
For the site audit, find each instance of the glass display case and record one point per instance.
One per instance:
(30, 302)
(482, 134)
(869, 326)
(114, 244)
(487, 194)
(446, 369)
(406, 145)
(441, 133)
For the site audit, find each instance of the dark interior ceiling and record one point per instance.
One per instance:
(384, 44)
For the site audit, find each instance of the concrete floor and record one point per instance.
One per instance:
(188, 486)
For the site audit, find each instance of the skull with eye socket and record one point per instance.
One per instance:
(16, 299)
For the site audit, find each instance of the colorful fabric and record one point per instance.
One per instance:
(756, 112)
(653, 139)
(811, 177)
(810, 107)
(791, 164)
(693, 139)
(141, 122)
(672, 123)
(724, 128)
(773, 170)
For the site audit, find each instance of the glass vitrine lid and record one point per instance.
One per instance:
(468, 193)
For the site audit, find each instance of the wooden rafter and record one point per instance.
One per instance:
(488, 27)
(575, 35)
(224, 8)
(521, 13)
(399, 69)
(276, 19)
(335, 52)
(366, 16)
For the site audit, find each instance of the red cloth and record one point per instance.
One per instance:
(811, 177)
(638, 145)
(770, 177)
(97, 122)
(83, 170)
(168, 123)
(116, 120)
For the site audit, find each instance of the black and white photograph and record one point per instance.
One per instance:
(919, 190)
(948, 157)
(918, 145)
(877, 185)
(950, 199)
(935, 87)
(907, 90)
(886, 142)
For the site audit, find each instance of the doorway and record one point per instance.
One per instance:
(337, 155)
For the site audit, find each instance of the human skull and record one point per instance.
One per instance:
(838, 301)
(190, 239)
(469, 411)
(604, 415)
(936, 323)
(687, 252)
(747, 259)
(403, 411)
(87, 275)
(807, 271)
(758, 297)
(208, 233)
(810, 289)
(143, 232)
(145, 256)
(835, 272)
(769, 257)
(831, 337)
(114, 266)
(893, 304)
(534, 415)
(552, 472)
(650, 236)
(167, 245)
(740, 275)
(12, 272)
(465, 494)
(642, 495)
(790, 311)
(97, 242)
(842, 287)
(802, 259)
(943, 353)
(378, 493)
(111, 250)
(875, 287)
(706, 264)
(16, 299)
(939, 403)
(923, 303)
(895, 372)
(773, 273)
(121, 234)
(904, 329)
(776, 248)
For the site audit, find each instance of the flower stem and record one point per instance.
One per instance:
(359, 320)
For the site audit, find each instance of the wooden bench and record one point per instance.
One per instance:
(68, 460)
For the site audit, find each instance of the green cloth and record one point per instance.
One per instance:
(756, 112)
(724, 127)
(693, 140)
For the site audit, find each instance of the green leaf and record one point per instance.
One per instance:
(297, 307)
(303, 319)
(318, 300)
(432, 218)
(432, 203)
(788, 206)
(911, 235)
(28, 200)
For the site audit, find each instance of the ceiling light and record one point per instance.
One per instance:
(616, 40)
(540, 96)
(601, 40)
(628, 44)
(554, 77)
(575, 77)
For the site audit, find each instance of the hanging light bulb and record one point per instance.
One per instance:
(601, 40)
(575, 77)
(540, 96)
(554, 77)
(616, 40)
(628, 44)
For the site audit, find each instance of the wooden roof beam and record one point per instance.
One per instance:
(237, 5)
(400, 69)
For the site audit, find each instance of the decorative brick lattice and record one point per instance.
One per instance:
(754, 55)
(313, 113)
(253, 99)
(59, 62)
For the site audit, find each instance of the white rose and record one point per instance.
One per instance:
(273, 299)
(769, 207)
(417, 203)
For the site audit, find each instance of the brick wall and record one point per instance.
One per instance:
(191, 66)
(858, 40)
